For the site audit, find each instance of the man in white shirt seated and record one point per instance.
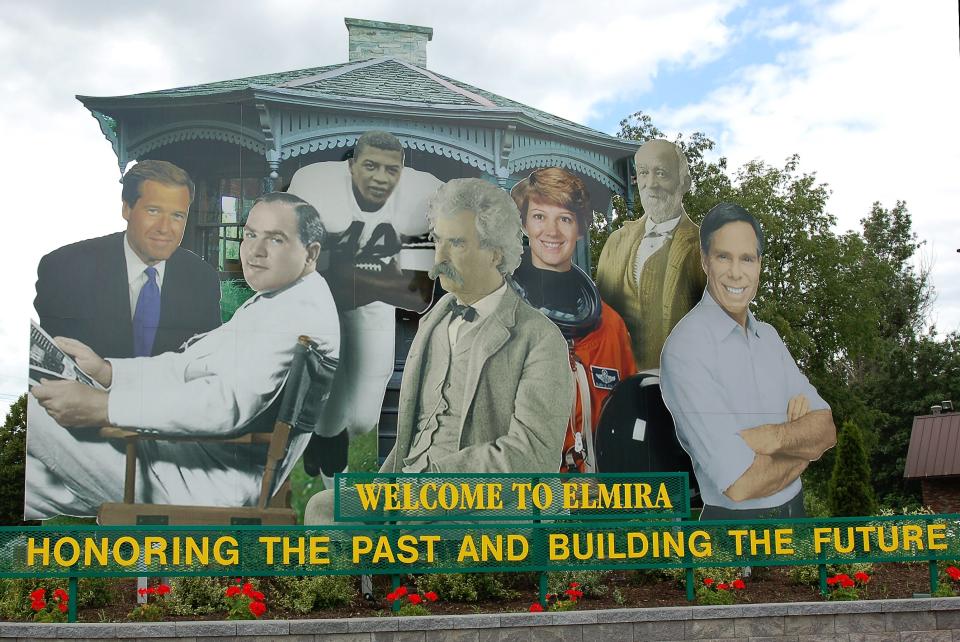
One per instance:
(218, 384)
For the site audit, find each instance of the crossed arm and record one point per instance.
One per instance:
(766, 458)
(783, 451)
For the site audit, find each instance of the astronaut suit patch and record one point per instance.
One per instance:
(605, 378)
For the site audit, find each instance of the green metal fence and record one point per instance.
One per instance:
(537, 536)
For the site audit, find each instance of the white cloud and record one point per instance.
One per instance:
(869, 100)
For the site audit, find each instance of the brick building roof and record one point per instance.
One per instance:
(934, 446)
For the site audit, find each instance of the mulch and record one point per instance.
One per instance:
(633, 590)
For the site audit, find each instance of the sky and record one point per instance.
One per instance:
(867, 93)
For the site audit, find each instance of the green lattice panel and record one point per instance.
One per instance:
(439, 548)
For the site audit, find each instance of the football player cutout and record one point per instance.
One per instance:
(368, 204)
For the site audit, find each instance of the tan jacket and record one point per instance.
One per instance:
(518, 393)
(683, 284)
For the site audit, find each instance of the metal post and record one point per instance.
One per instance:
(543, 585)
(822, 568)
(934, 576)
(689, 580)
(395, 584)
(72, 594)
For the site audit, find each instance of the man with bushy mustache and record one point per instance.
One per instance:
(649, 270)
(487, 385)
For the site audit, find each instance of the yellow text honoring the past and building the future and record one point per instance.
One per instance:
(476, 547)
(490, 496)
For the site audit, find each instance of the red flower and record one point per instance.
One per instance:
(574, 584)
(391, 596)
(141, 592)
(953, 572)
(431, 595)
(415, 599)
(738, 584)
(573, 594)
(550, 596)
(151, 590)
(861, 577)
(61, 594)
(536, 607)
(257, 608)
(248, 589)
(38, 605)
(846, 582)
(38, 594)
(233, 591)
(723, 586)
(832, 580)
(63, 607)
(401, 591)
(708, 581)
(163, 589)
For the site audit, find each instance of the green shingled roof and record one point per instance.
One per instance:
(383, 79)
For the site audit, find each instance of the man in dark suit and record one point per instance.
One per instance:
(106, 290)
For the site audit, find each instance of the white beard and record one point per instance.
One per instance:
(663, 209)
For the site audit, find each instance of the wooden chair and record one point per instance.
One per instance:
(298, 408)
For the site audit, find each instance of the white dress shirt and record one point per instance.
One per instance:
(136, 277)
(484, 308)
(655, 236)
(717, 380)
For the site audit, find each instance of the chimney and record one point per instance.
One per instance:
(373, 39)
(935, 410)
(947, 405)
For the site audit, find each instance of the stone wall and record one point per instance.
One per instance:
(871, 620)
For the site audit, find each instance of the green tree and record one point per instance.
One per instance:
(850, 492)
(708, 180)
(13, 451)
(851, 306)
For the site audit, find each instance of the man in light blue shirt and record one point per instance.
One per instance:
(749, 419)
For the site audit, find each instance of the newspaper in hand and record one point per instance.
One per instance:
(48, 361)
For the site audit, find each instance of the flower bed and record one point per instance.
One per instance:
(291, 598)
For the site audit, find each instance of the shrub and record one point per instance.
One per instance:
(146, 613)
(593, 584)
(849, 492)
(97, 592)
(15, 597)
(810, 575)
(414, 603)
(718, 573)
(467, 587)
(304, 594)
(196, 595)
(565, 600)
(713, 592)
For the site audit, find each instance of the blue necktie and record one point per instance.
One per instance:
(146, 318)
